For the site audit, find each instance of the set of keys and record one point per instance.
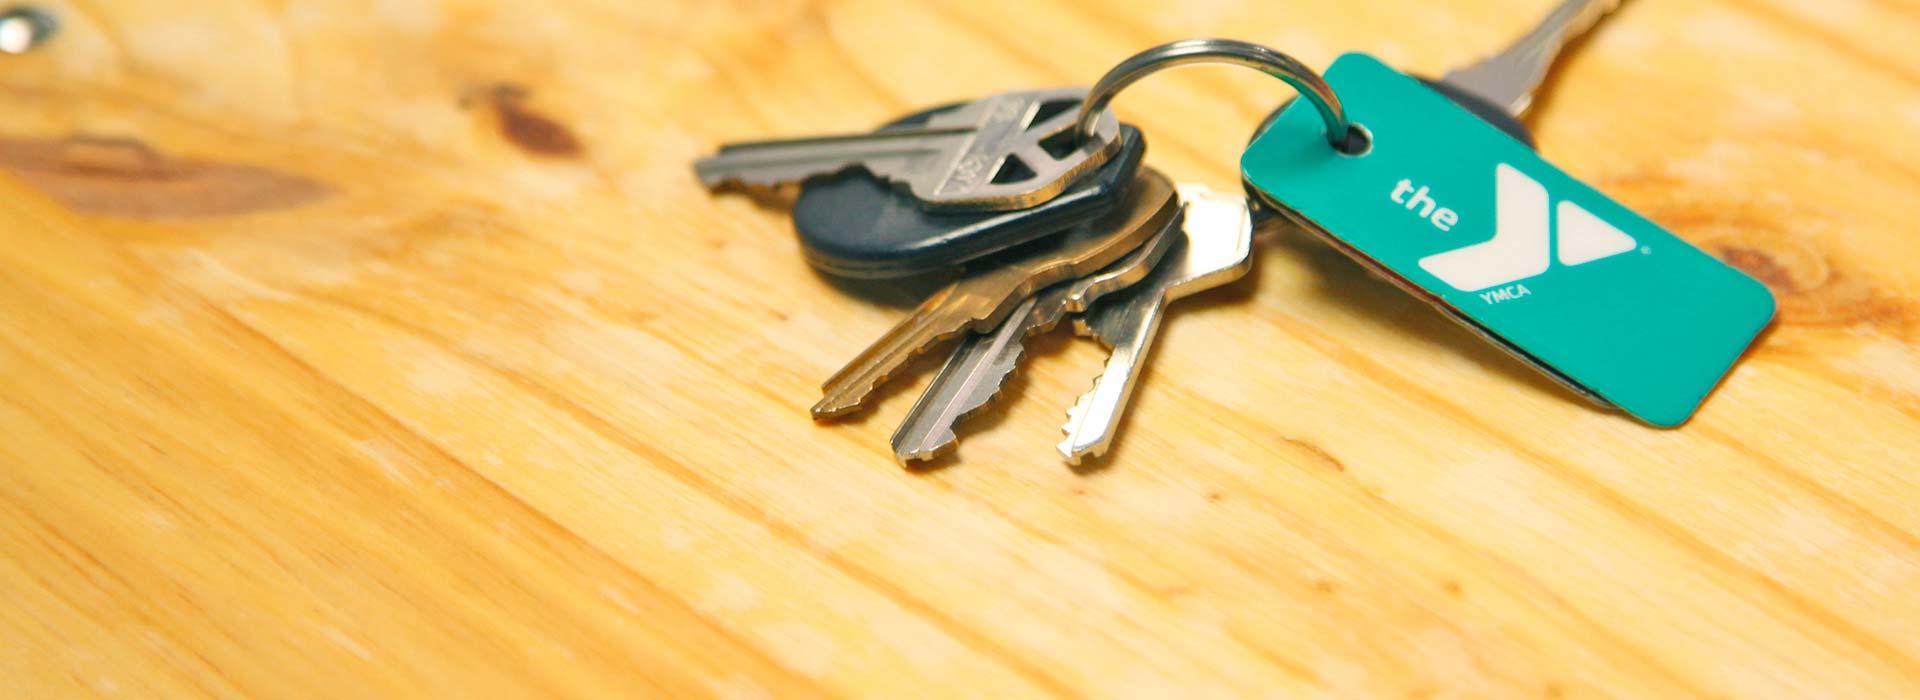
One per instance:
(1047, 222)
(1042, 199)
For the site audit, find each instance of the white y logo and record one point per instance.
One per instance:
(1518, 249)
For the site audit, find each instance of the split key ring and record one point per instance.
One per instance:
(1343, 135)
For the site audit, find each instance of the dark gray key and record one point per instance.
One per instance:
(858, 225)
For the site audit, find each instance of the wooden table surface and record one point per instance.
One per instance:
(389, 348)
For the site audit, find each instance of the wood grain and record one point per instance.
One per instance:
(389, 348)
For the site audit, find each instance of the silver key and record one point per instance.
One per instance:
(1217, 248)
(981, 363)
(1007, 151)
(1510, 78)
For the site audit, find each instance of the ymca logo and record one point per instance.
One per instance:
(1519, 248)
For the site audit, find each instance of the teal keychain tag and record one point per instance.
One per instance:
(1476, 223)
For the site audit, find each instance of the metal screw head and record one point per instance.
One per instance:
(24, 27)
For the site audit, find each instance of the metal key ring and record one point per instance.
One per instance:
(1340, 132)
(24, 27)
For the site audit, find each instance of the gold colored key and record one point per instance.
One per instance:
(980, 300)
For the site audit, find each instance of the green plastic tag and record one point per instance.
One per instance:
(1475, 222)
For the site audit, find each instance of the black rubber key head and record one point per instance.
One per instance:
(855, 225)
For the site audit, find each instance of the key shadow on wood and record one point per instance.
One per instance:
(1237, 295)
(1342, 281)
(1337, 279)
(899, 292)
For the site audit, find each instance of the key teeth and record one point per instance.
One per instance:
(924, 453)
(988, 403)
(1068, 455)
(949, 438)
(762, 186)
(1073, 455)
(825, 410)
(853, 397)
(838, 404)
(1081, 327)
(981, 368)
(1075, 414)
(735, 183)
(1085, 329)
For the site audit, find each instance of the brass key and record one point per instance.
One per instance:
(979, 301)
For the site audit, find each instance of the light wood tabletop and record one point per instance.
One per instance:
(389, 348)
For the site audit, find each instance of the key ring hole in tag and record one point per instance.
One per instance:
(1345, 136)
(23, 27)
(1357, 144)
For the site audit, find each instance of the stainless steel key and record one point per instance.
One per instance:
(980, 300)
(1007, 151)
(1216, 248)
(1510, 78)
(1498, 88)
(981, 363)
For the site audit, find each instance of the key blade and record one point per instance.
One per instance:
(969, 304)
(1093, 420)
(847, 390)
(1510, 77)
(888, 154)
(1215, 248)
(968, 383)
(1070, 449)
(979, 367)
(980, 300)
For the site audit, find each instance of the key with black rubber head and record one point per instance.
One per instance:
(857, 225)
